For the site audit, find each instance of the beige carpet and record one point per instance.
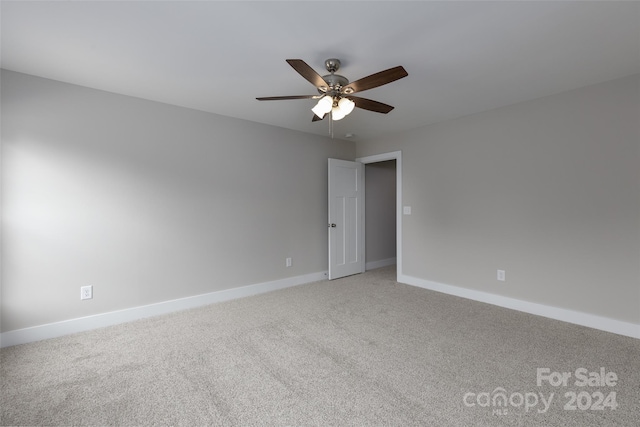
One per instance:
(363, 350)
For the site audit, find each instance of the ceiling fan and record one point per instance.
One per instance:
(335, 93)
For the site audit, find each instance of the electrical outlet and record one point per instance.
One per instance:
(288, 262)
(501, 276)
(86, 292)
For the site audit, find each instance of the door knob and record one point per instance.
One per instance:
(332, 225)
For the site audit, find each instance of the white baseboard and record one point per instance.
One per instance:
(67, 327)
(380, 263)
(71, 326)
(565, 315)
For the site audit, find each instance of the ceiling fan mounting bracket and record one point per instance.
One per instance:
(332, 65)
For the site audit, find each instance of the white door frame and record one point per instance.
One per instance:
(397, 156)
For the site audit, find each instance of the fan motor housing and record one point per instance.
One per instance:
(335, 81)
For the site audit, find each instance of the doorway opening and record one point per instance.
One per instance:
(380, 214)
(377, 238)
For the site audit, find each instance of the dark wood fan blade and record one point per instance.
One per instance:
(279, 98)
(317, 119)
(368, 104)
(308, 73)
(375, 80)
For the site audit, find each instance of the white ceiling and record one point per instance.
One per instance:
(462, 57)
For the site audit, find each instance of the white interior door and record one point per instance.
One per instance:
(346, 218)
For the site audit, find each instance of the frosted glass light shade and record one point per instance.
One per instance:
(318, 111)
(346, 105)
(337, 113)
(323, 106)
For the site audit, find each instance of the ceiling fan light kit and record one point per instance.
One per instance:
(338, 107)
(336, 92)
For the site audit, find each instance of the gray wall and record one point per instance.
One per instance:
(380, 210)
(148, 202)
(548, 190)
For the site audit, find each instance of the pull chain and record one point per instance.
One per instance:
(331, 124)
